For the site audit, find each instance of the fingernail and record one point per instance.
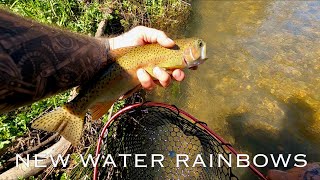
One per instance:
(178, 73)
(157, 71)
(169, 41)
(141, 72)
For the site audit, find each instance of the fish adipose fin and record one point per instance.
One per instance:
(61, 120)
(100, 109)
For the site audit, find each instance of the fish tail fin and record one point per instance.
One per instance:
(64, 121)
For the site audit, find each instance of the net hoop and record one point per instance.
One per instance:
(179, 111)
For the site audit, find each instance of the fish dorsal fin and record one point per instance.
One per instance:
(100, 109)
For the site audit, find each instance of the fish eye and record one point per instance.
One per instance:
(200, 43)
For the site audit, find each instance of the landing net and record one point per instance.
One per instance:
(155, 128)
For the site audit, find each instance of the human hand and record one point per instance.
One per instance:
(310, 171)
(139, 36)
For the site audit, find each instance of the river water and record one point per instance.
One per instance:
(260, 88)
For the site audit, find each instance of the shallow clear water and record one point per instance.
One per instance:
(260, 88)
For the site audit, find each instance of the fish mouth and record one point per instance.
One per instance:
(194, 64)
(185, 62)
(189, 66)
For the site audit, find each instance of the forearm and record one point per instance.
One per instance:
(37, 61)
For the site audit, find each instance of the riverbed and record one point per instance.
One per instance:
(260, 88)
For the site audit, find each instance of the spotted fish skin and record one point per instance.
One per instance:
(117, 79)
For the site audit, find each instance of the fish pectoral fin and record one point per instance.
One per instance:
(130, 92)
(68, 125)
(100, 109)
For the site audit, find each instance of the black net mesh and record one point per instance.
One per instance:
(158, 130)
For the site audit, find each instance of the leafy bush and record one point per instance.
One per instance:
(168, 15)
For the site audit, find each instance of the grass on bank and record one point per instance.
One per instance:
(73, 15)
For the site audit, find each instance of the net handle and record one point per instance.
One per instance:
(173, 108)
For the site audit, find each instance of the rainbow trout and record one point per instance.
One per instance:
(119, 79)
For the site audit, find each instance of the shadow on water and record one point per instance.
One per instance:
(291, 139)
(302, 119)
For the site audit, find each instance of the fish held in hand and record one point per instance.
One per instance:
(117, 80)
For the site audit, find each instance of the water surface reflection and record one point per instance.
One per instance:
(260, 88)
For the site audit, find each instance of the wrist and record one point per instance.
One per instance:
(111, 43)
(114, 42)
(105, 43)
(103, 48)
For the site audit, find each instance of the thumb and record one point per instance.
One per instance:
(165, 41)
(152, 35)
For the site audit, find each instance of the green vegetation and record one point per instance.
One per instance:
(168, 15)
(73, 15)
(83, 17)
(14, 124)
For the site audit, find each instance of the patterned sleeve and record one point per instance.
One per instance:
(37, 61)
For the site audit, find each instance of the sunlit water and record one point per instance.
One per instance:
(260, 88)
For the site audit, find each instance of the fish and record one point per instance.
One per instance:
(119, 80)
